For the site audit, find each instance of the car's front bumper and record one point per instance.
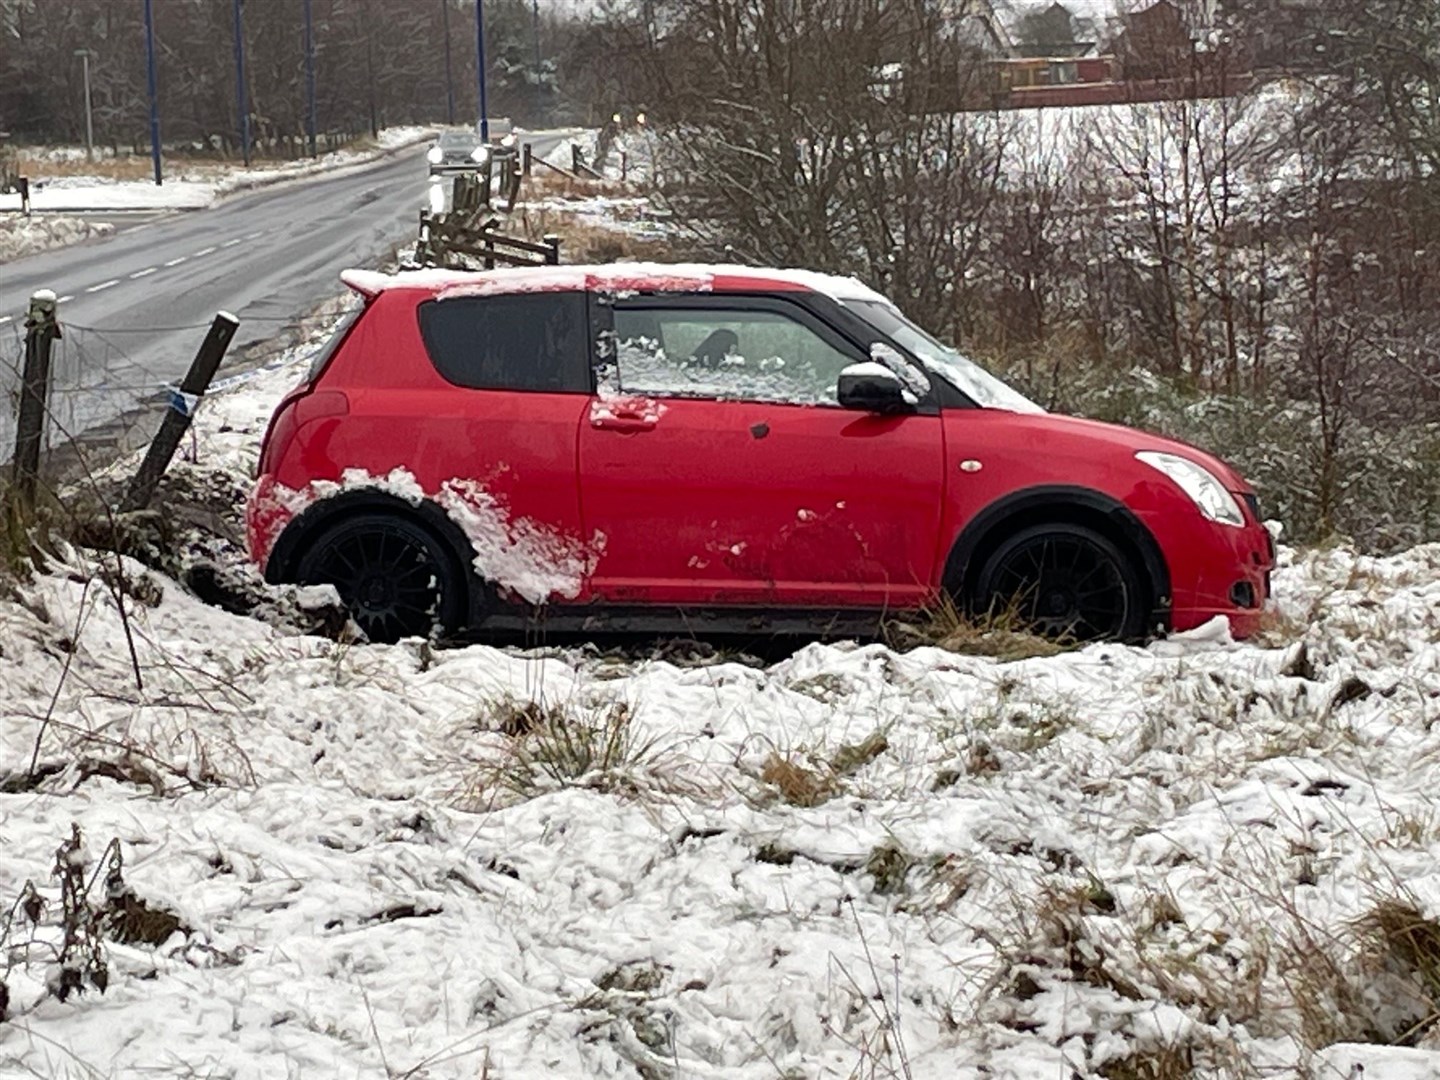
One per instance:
(1219, 570)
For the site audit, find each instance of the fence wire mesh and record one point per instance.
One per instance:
(104, 401)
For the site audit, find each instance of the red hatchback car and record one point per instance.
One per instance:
(693, 448)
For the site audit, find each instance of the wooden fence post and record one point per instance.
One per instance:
(526, 152)
(41, 330)
(181, 410)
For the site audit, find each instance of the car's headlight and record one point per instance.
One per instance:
(1204, 489)
(435, 155)
(480, 153)
(508, 140)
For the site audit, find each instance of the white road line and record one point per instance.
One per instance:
(65, 299)
(207, 251)
(7, 318)
(232, 243)
(252, 236)
(143, 273)
(177, 262)
(104, 285)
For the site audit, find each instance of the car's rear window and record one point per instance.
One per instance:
(527, 341)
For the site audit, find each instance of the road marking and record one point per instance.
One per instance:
(207, 251)
(252, 236)
(6, 319)
(65, 299)
(104, 285)
(143, 273)
(177, 262)
(232, 243)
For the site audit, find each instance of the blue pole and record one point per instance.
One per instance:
(310, 77)
(479, 67)
(154, 95)
(449, 70)
(242, 107)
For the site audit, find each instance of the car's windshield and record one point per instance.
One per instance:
(977, 383)
(458, 140)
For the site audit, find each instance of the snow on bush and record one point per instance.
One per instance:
(1202, 857)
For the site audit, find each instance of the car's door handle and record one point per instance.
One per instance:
(626, 424)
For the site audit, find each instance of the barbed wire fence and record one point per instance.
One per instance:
(104, 401)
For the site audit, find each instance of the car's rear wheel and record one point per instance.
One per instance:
(395, 577)
(1064, 581)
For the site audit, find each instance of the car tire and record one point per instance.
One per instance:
(396, 578)
(1066, 581)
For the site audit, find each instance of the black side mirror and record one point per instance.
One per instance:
(873, 387)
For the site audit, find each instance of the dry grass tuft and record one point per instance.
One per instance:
(1159, 1063)
(853, 757)
(544, 184)
(1406, 943)
(889, 865)
(587, 242)
(808, 780)
(797, 783)
(562, 745)
(1000, 634)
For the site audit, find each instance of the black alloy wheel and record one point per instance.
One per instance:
(395, 577)
(1064, 581)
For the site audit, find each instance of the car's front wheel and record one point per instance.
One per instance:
(1063, 580)
(395, 577)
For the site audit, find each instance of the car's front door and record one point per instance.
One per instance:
(720, 469)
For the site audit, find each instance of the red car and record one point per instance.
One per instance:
(693, 448)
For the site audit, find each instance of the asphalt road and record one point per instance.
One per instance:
(267, 257)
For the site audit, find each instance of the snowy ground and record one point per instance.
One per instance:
(852, 863)
(21, 236)
(190, 186)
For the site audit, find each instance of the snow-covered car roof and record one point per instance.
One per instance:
(611, 277)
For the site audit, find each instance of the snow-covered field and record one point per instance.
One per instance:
(190, 186)
(395, 861)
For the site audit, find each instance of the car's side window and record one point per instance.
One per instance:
(737, 354)
(523, 341)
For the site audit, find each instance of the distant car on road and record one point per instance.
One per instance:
(457, 150)
(731, 449)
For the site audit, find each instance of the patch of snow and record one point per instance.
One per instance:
(528, 559)
(611, 277)
(195, 186)
(21, 236)
(532, 561)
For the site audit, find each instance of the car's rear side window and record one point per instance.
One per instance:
(526, 341)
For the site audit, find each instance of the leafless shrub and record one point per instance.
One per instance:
(71, 942)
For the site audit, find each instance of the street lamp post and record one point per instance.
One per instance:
(154, 94)
(449, 67)
(242, 106)
(480, 68)
(84, 55)
(310, 78)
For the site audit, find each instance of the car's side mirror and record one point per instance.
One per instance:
(873, 387)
